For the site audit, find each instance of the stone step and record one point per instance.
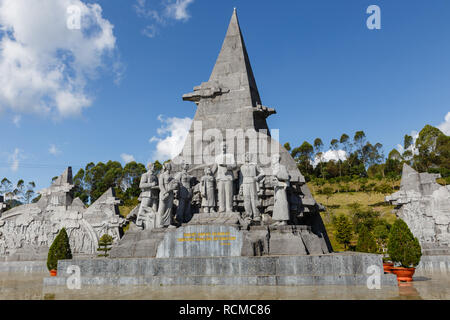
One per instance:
(265, 280)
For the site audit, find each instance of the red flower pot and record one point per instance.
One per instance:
(53, 273)
(387, 266)
(403, 274)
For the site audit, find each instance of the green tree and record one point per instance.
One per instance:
(367, 218)
(104, 245)
(287, 146)
(334, 145)
(381, 234)
(346, 144)
(318, 146)
(395, 155)
(402, 246)
(59, 250)
(6, 188)
(366, 241)
(328, 192)
(343, 230)
(426, 144)
(29, 193)
(359, 139)
(303, 156)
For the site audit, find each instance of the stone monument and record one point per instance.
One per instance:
(27, 231)
(237, 148)
(425, 207)
(270, 233)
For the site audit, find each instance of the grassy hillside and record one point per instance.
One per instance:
(338, 203)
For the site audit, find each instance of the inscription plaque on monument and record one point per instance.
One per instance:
(201, 241)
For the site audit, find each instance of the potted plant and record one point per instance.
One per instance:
(404, 250)
(387, 264)
(59, 250)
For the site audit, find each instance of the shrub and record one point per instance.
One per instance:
(104, 244)
(59, 250)
(366, 241)
(403, 247)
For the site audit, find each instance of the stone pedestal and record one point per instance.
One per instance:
(329, 269)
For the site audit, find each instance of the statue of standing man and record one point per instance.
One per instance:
(208, 191)
(149, 198)
(225, 166)
(184, 213)
(251, 174)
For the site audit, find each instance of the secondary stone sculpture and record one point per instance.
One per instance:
(27, 231)
(185, 193)
(425, 207)
(167, 186)
(149, 197)
(208, 191)
(225, 165)
(281, 181)
(250, 176)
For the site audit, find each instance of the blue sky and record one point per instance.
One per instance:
(316, 62)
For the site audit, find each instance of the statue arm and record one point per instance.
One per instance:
(144, 184)
(260, 173)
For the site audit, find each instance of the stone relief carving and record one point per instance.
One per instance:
(27, 231)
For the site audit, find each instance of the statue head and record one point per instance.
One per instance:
(208, 171)
(167, 167)
(151, 167)
(185, 166)
(247, 157)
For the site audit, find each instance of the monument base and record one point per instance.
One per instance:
(329, 269)
(219, 235)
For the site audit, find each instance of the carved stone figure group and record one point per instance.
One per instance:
(216, 189)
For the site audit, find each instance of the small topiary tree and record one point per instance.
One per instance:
(402, 246)
(104, 245)
(59, 250)
(366, 241)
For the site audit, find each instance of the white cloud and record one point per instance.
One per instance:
(445, 126)
(178, 9)
(53, 150)
(44, 65)
(127, 158)
(162, 13)
(16, 120)
(14, 159)
(171, 137)
(150, 31)
(331, 155)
